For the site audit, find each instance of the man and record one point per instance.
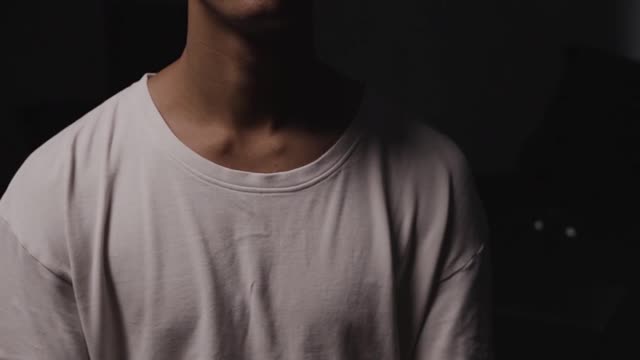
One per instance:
(246, 202)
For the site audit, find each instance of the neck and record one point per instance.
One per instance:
(243, 80)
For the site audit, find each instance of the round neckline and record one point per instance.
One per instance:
(283, 181)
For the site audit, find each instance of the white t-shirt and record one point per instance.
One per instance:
(117, 241)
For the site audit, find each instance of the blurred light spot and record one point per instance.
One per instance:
(538, 225)
(570, 231)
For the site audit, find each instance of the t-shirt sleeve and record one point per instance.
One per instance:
(38, 315)
(453, 298)
(458, 324)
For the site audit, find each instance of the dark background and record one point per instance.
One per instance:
(543, 97)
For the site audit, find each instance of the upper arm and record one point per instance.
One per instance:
(451, 281)
(38, 314)
(458, 322)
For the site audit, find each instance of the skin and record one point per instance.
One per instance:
(248, 92)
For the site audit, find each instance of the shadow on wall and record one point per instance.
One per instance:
(563, 224)
(481, 72)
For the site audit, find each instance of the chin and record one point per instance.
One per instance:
(245, 9)
(261, 17)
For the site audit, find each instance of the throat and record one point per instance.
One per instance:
(314, 128)
(269, 155)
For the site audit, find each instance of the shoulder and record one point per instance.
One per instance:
(70, 153)
(50, 165)
(437, 147)
(410, 143)
(36, 202)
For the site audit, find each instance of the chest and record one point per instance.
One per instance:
(300, 281)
